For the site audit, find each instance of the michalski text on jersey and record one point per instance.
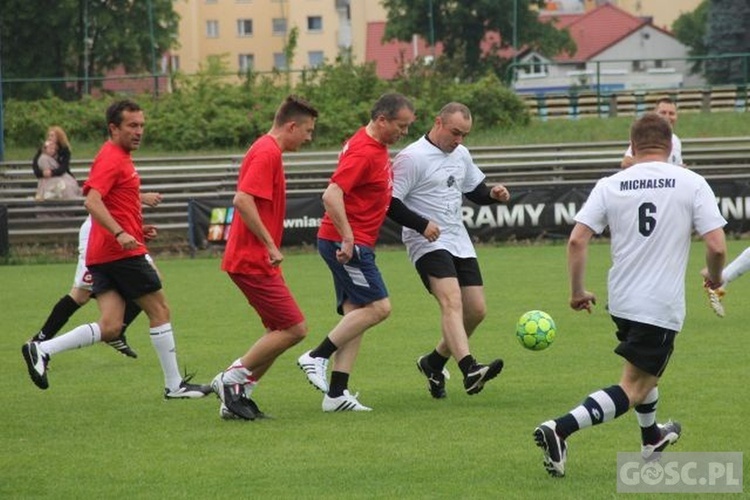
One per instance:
(636, 184)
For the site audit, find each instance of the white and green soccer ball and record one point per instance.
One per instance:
(536, 330)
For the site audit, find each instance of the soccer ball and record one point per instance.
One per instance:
(536, 330)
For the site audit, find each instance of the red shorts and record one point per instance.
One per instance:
(271, 299)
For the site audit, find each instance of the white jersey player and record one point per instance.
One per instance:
(651, 209)
(430, 178)
(666, 108)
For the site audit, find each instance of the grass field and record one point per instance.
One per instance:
(103, 431)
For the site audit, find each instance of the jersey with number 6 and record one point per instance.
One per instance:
(651, 209)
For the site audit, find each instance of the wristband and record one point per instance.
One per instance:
(117, 235)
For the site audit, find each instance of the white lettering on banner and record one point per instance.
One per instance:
(301, 222)
(565, 214)
(502, 215)
(734, 208)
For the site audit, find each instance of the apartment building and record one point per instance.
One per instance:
(252, 34)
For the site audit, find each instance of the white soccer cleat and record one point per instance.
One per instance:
(315, 369)
(714, 300)
(345, 402)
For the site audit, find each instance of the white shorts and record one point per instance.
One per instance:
(82, 278)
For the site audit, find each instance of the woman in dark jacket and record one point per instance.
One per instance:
(55, 134)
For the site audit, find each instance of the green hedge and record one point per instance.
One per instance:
(205, 112)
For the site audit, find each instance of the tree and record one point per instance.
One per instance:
(726, 33)
(690, 29)
(48, 40)
(462, 25)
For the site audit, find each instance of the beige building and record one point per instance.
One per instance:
(252, 34)
(663, 12)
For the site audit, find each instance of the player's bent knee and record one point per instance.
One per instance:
(297, 332)
(110, 330)
(381, 309)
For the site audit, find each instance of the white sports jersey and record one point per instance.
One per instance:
(431, 183)
(651, 210)
(675, 157)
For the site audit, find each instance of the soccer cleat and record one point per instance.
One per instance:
(36, 362)
(315, 369)
(226, 414)
(345, 402)
(669, 432)
(233, 399)
(714, 300)
(120, 344)
(553, 446)
(187, 390)
(435, 379)
(479, 374)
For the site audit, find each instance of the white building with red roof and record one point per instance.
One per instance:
(615, 50)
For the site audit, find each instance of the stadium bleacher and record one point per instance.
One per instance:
(211, 177)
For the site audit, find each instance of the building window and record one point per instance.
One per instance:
(212, 1)
(535, 66)
(658, 63)
(244, 27)
(315, 58)
(246, 62)
(314, 23)
(278, 26)
(174, 63)
(279, 61)
(637, 65)
(212, 29)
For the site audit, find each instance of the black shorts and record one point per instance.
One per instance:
(442, 264)
(132, 278)
(646, 346)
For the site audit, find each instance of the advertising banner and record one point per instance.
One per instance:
(3, 231)
(536, 212)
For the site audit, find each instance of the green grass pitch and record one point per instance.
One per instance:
(103, 431)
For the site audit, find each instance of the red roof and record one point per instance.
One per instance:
(596, 30)
(388, 56)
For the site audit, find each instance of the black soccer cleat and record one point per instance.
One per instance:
(187, 390)
(554, 448)
(435, 379)
(669, 433)
(479, 374)
(233, 399)
(120, 344)
(36, 363)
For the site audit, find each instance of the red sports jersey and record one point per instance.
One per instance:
(364, 174)
(114, 176)
(262, 176)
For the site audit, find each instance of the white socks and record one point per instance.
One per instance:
(236, 373)
(163, 341)
(80, 336)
